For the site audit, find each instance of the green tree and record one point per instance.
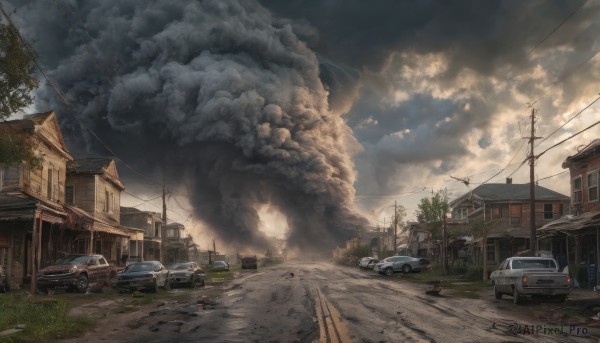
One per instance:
(16, 72)
(17, 66)
(433, 210)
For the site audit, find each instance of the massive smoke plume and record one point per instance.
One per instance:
(223, 97)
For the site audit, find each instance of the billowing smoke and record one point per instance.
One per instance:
(220, 95)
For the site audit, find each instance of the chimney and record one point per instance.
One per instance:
(508, 180)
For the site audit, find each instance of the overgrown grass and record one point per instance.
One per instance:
(466, 282)
(44, 318)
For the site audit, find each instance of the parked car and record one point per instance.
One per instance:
(530, 276)
(219, 266)
(149, 275)
(367, 262)
(405, 264)
(75, 272)
(249, 262)
(187, 274)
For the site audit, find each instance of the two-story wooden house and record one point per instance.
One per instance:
(151, 223)
(93, 202)
(508, 207)
(576, 238)
(176, 244)
(32, 218)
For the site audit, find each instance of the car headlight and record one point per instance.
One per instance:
(73, 269)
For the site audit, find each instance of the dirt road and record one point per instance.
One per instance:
(322, 302)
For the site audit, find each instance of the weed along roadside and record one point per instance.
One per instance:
(466, 285)
(58, 316)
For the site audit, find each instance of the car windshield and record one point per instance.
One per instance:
(73, 260)
(182, 266)
(533, 264)
(140, 267)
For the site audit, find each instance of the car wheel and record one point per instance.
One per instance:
(82, 283)
(497, 294)
(389, 271)
(406, 268)
(154, 287)
(516, 297)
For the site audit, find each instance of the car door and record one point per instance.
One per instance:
(92, 269)
(499, 277)
(398, 263)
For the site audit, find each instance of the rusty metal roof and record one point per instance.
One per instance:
(571, 224)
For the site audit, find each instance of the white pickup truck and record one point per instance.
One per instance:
(530, 276)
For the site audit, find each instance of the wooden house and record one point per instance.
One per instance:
(575, 239)
(507, 208)
(32, 218)
(151, 224)
(93, 203)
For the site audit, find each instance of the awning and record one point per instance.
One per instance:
(571, 224)
(78, 219)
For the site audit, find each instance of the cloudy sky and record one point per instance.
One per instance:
(321, 112)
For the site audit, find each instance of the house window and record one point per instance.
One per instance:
(109, 201)
(491, 251)
(592, 185)
(50, 182)
(496, 212)
(548, 212)
(515, 214)
(462, 213)
(577, 190)
(157, 227)
(70, 194)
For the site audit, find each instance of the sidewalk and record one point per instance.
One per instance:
(584, 298)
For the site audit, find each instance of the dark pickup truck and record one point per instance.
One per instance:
(76, 272)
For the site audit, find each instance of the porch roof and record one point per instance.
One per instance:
(76, 218)
(571, 224)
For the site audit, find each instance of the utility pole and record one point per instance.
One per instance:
(395, 228)
(533, 231)
(163, 230)
(444, 247)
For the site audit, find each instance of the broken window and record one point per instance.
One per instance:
(548, 211)
(592, 185)
(515, 214)
(577, 190)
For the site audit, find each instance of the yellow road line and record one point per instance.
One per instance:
(331, 327)
(341, 328)
(319, 309)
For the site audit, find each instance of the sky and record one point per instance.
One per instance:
(306, 119)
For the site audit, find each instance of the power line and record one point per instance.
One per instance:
(64, 98)
(568, 138)
(556, 28)
(568, 121)
(551, 176)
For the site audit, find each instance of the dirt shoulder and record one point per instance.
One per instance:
(124, 317)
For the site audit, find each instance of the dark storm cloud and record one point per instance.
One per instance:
(228, 101)
(491, 39)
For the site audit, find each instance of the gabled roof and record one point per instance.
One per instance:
(497, 192)
(96, 165)
(45, 127)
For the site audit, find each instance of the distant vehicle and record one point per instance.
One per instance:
(249, 262)
(75, 272)
(530, 276)
(404, 264)
(367, 262)
(149, 275)
(219, 266)
(187, 273)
